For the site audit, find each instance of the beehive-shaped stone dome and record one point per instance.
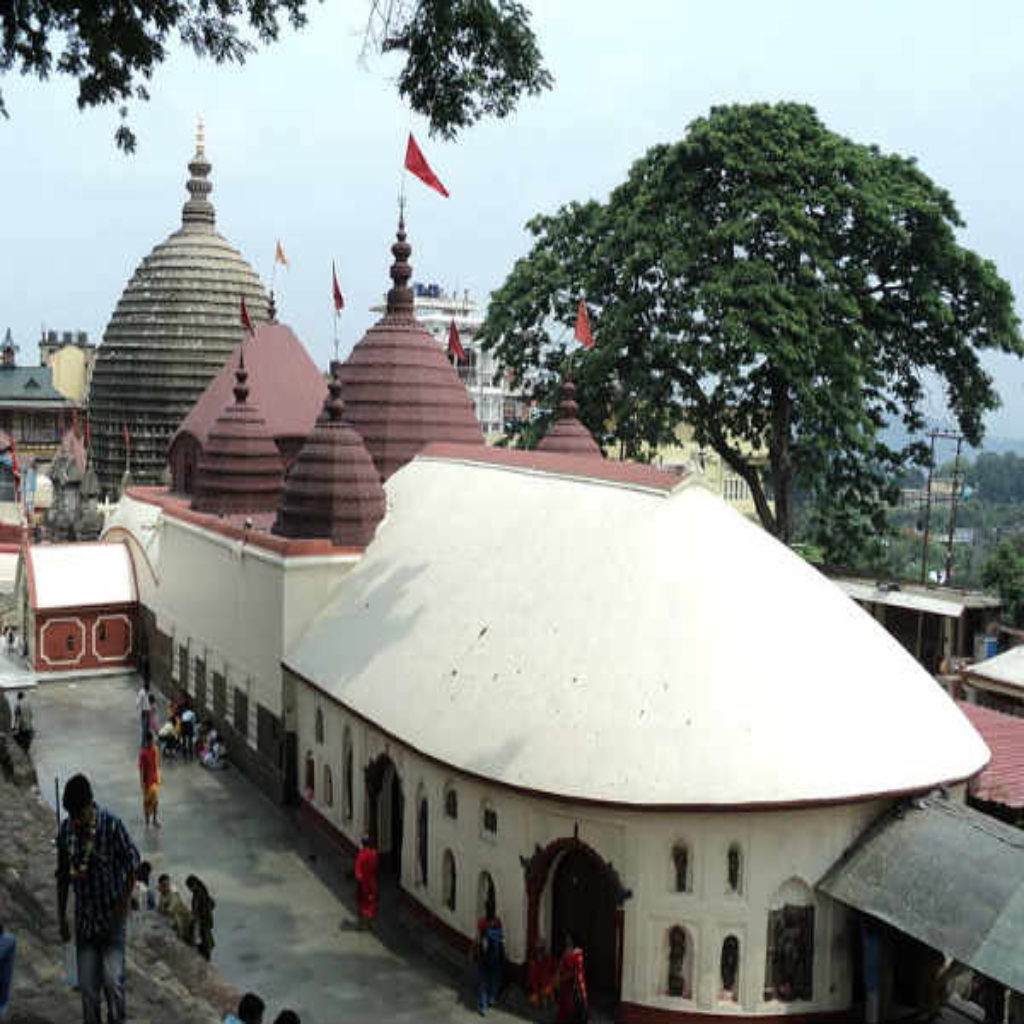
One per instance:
(240, 469)
(333, 489)
(567, 435)
(176, 323)
(400, 391)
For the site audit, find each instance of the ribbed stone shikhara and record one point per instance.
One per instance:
(400, 391)
(176, 323)
(333, 489)
(240, 469)
(567, 435)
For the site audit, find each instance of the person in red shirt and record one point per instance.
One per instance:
(367, 892)
(572, 985)
(149, 779)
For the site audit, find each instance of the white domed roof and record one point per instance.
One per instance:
(596, 640)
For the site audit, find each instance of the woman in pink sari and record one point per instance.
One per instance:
(572, 985)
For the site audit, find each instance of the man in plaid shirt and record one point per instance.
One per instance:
(97, 857)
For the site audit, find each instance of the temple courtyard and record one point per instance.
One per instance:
(285, 918)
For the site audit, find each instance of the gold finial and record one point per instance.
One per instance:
(200, 135)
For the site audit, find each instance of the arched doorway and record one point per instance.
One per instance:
(583, 904)
(385, 812)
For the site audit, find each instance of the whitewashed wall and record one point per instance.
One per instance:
(779, 849)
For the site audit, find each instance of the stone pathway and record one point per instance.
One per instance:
(285, 912)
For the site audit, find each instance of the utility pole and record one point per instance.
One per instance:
(952, 511)
(927, 512)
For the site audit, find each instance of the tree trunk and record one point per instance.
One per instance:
(780, 456)
(742, 468)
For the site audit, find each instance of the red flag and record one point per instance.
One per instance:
(74, 422)
(583, 334)
(416, 162)
(246, 322)
(88, 438)
(455, 344)
(339, 299)
(127, 437)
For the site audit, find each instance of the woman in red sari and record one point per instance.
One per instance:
(572, 985)
(366, 881)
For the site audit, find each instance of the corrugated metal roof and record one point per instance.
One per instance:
(936, 601)
(948, 876)
(81, 575)
(1006, 668)
(1001, 781)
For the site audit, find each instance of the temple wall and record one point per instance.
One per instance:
(783, 854)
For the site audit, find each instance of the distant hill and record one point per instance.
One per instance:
(896, 436)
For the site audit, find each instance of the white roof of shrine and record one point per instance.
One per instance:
(601, 640)
(81, 575)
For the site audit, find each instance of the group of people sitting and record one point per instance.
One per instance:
(193, 923)
(251, 1009)
(183, 733)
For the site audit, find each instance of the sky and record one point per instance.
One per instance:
(306, 143)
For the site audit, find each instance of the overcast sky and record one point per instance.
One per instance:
(307, 145)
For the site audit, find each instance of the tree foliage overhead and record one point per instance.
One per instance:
(466, 59)
(784, 290)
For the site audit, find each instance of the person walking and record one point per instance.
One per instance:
(149, 779)
(188, 732)
(23, 730)
(142, 710)
(367, 892)
(490, 951)
(97, 858)
(152, 720)
(202, 915)
(7, 948)
(572, 986)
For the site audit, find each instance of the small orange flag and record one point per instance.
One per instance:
(279, 256)
(582, 332)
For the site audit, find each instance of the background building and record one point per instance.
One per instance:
(70, 357)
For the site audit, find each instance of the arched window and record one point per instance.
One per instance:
(310, 776)
(789, 963)
(319, 725)
(346, 773)
(448, 871)
(451, 803)
(488, 820)
(729, 968)
(680, 962)
(486, 897)
(734, 869)
(681, 866)
(328, 786)
(421, 840)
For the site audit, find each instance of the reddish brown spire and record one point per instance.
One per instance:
(240, 468)
(333, 488)
(401, 393)
(567, 435)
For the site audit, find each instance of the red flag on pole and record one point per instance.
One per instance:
(16, 471)
(127, 438)
(246, 322)
(455, 344)
(339, 299)
(582, 332)
(416, 162)
(88, 438)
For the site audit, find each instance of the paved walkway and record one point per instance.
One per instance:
(285, 913)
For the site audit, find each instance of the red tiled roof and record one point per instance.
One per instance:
(291, 388)
(630, 474)
(1001, 781)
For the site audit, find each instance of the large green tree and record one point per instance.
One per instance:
(784, 290)
(465, 59)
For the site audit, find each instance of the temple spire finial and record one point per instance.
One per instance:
(241, 378)
(400, 300)
(198, 213)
